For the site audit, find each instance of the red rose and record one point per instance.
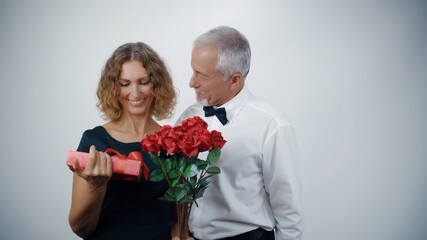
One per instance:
(189, 138)
(151, 143)
(217, 140)
(194, 124)
(179, 130)
(188, 145)
(168, 139)
(164, 128)
(204, 136)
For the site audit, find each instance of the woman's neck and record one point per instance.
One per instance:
(131, 129)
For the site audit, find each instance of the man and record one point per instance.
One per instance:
(257, 194)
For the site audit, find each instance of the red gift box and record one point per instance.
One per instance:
(123, 168)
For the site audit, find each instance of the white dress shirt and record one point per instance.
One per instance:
(259, 182)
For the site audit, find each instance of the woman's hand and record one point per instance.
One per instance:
(98, 170)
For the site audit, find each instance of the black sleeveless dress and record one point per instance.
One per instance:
(130, 210)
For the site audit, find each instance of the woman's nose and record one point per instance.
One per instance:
(135, 90)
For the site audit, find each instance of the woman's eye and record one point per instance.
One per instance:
(144, 82)
(123, 84)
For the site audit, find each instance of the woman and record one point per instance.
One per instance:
(135, 86)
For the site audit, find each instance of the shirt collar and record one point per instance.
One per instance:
(236, 104)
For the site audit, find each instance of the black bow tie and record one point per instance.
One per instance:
(218, 112)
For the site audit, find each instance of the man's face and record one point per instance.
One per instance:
(207, 81)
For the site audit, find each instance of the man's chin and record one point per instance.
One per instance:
(203, 102)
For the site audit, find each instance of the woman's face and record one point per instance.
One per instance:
(136, 94)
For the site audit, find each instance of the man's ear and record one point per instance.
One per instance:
(236, 81)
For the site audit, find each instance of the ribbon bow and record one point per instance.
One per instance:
(133, 156)
(218, 112)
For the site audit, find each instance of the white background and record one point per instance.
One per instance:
(351, 76)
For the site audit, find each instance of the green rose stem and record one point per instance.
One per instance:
(183, 210)
(183, 214)
(162, 166)
(187, 178)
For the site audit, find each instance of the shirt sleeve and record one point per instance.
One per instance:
(84, 144)
(282, 183)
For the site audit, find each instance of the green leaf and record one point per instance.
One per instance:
(174, 174)
(213, 156)
(154, 159)
(182, 164)
(213, 170)
(200, 192)
(157, 175)
(186, 199)
(175, 182)
(203, 183)
(193, 160)
(193, 181)
(201, 164)
(180, 193)
(167, 199)
(206, 177)
(168, 196)
(191, 170)
(171, 193)
(168, 165)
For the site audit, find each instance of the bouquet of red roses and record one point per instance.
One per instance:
(175, 150)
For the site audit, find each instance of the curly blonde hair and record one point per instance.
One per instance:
(108, 87)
